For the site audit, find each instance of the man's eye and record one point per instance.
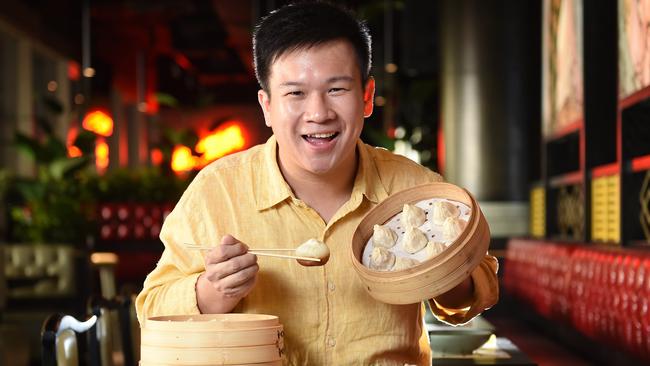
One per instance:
(337, 90)
(295, 93)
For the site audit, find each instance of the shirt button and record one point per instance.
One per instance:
(331, 286)
(331, 342)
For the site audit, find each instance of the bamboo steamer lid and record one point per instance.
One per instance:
(275, 363)
(212, 339)
(435, 275)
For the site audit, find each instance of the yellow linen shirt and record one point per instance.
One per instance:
(328, 317)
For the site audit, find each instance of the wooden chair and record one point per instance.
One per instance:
(115, 340)
(59, 339)
(105, 263)
(39, 280)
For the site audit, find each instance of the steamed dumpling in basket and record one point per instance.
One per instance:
(414, 240)
(381, 259)
(442, 210)
(413, 216)
(404, 263)
(452, 227)
(383, 237)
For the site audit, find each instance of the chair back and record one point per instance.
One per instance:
(112, 340)
(59, 341)
(50, 270)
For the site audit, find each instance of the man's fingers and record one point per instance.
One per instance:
(224, 269)
(230, 269)
(231, 240)
(243, 289)
(230, 285)
(241, 277)
(224, 252)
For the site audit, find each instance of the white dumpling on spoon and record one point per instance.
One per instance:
(314, 249)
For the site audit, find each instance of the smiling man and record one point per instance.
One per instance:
(316, 113)
(314, 178)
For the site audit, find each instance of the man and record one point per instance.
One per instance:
(313, 179)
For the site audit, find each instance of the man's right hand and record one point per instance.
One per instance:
(230, 274)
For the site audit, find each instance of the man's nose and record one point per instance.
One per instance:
(317, 109)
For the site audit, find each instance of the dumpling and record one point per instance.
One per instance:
(383, 237)
(413, 215)
(315, 249)
(404, 263)
(414, 240)
(442, 210)
(452, 227)
(381, 259)
(434, 248)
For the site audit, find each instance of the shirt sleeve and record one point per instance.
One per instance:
(171, 287)
(486, 294)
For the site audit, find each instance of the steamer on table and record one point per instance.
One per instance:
(436, 275)
(212, 339)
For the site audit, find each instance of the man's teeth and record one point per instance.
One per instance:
(321, 135)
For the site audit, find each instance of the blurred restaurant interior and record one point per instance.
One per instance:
(539, 108)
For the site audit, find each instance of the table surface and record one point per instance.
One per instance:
(516, 357)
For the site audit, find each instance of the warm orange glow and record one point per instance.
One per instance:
(99, 123)
(182, 159)
(101, 155)
(156, 157)
(74, 151)
(227, 139)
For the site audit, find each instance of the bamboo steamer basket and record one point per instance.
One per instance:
(433, 276)
(212, 339)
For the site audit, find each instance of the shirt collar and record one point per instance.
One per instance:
(368, 181)
(271, 188)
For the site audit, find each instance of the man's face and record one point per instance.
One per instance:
(316, 108)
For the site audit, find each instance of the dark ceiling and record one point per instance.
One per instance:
(199, 48)
(198, 51)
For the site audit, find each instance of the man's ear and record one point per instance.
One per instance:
(265, 103)
(369, 97)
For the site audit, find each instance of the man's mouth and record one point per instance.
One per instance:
(320, 137)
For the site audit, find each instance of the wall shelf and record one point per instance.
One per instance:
(567, 129)
(566, 179)
(605, 170)
(640, 164)
(635, 98)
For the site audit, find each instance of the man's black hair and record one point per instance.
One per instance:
(304, 25)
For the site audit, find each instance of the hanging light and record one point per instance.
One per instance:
(226, 139)
(73, 151)
(101, 155)
(98, 122)
(182, 159)
(88, 71)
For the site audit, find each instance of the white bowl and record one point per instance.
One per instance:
(458, 340)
